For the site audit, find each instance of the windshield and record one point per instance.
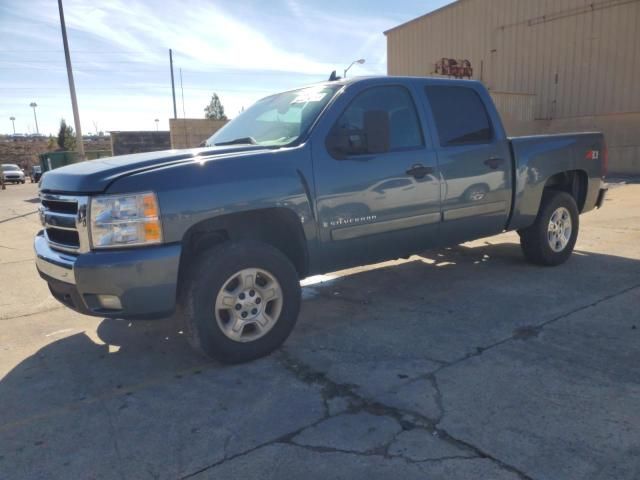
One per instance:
(277, 120)
(9, 168)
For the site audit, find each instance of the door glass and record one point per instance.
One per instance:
(396, 102)
(460, 115)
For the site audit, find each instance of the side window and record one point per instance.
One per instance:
(460, 115)
(393, 102)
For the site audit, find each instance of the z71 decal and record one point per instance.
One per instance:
(592, 155)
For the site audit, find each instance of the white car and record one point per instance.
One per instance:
(12, 173)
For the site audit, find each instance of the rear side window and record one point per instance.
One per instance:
(460, 115)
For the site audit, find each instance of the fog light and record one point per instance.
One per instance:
(109, 302)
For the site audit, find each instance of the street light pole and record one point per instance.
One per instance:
(361, 61)
(156, 120)
(173, 86)
(72, 86)
(35, 117)
(13, 121)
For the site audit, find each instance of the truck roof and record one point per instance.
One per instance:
(392, 78)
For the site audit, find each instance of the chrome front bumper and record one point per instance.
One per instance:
(53, 263)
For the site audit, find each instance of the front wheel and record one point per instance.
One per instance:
(241, 301)
(550, 240)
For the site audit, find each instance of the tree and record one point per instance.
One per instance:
(51, 143)
(66, 137)
(215, 109)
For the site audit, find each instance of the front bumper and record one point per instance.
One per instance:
(14, 178)
(144, 279)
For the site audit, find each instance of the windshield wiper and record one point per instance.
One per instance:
(239, 141)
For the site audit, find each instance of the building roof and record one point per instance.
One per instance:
(433, 12)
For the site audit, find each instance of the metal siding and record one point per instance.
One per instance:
(514, 106)
(594, 51)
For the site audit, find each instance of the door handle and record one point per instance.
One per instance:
(493, 162)
(419, 171)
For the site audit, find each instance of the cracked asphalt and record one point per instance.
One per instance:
(462, 363)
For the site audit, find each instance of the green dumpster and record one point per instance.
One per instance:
(57, 159)
(53, 160)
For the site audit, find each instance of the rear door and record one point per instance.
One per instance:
(377, 205)
(474, 161)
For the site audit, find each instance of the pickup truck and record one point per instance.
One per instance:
(304, 182)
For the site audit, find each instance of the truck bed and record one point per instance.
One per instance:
(537, 158)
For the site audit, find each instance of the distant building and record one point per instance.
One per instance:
(550, 66)
(125, 142)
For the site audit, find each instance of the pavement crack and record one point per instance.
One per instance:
(282, 439)
(18, 216)
(223, 460)
(531, 331)
(114, 435)
(33, 313)
(366, 356)
(438, 397)
(444, 435)
(407, 419)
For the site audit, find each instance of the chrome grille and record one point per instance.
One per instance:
(64, 218)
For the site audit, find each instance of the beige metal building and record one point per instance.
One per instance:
(551, 65)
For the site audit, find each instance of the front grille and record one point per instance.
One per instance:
(65, 238)
(62, 207)
(64, 219)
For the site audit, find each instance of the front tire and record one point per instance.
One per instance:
(550, 240)
(241, 301)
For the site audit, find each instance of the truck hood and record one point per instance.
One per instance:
(94, 176)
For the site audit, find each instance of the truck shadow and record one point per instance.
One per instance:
(438, 306)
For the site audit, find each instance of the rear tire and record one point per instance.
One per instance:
(230, 317)
(550, 240)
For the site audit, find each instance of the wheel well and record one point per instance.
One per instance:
(573, 182)
(278, 227)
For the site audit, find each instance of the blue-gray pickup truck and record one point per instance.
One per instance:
(307, 181)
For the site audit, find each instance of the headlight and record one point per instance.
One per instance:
(125, 220)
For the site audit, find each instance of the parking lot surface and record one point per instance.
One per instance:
(462, 363)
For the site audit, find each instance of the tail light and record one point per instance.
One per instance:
(605, 159)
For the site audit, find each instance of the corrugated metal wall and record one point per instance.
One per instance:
(579, 57)
(516, 106)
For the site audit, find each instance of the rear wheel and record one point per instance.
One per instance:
(241, 301)
(550, 240)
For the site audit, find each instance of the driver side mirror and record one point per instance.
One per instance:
(372, 139)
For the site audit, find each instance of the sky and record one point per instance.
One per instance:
(241, 49)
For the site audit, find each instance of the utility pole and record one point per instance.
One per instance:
(13, 121)
(72, 86)
(173, 86)
(182, 93)
(35, 117)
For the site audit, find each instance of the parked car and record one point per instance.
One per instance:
(12, 173)
(36, 173)
(304, 182)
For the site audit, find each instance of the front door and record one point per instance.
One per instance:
(373, 206)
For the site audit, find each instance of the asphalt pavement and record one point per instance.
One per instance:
(462, 363)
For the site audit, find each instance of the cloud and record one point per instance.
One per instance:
(242, 50)
(201, 35)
